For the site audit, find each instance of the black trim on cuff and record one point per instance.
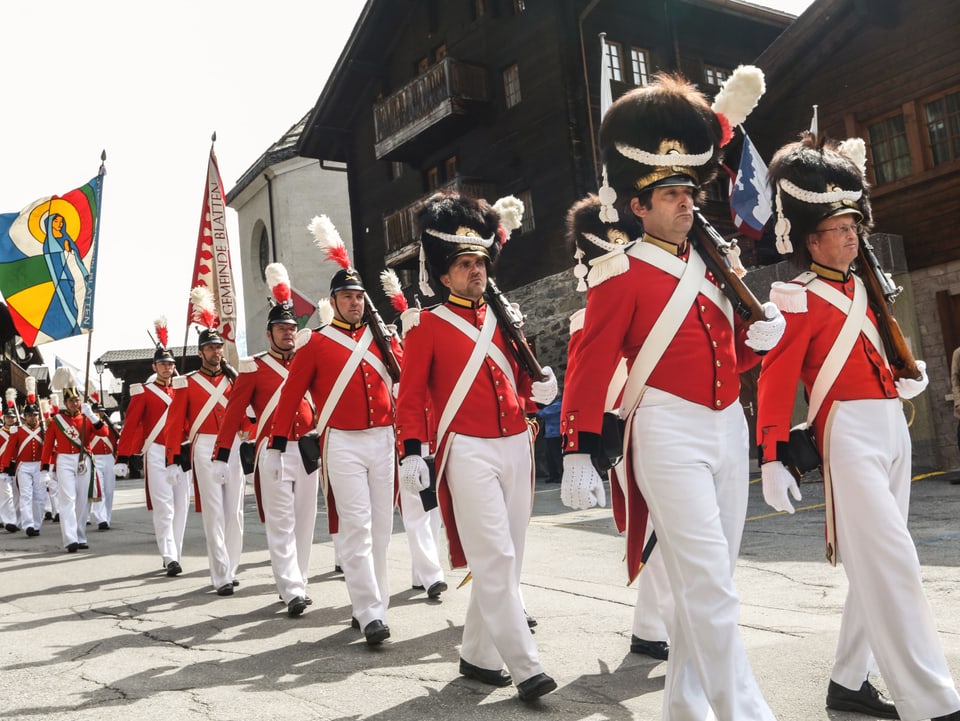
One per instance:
(586, 443)
(279, 442)
(123, 459)
(223, 454)
(412, 447)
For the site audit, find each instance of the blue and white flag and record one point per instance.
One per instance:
(750, 203)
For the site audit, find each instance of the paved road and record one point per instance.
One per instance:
(103, 634)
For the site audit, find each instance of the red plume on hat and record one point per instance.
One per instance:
(391, 286)
(10, 406)
(160, 325)
(279, 281)
(327, 238)
(204, 308)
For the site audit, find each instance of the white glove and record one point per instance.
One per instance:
(543, 392)
(581, 486)
(777, 480)
(908, 388)
(88, 412)
(5, 478)
(121, 470)
(174, 473)
(762, 335)
(48, 481)
(414, 473)
(271, 465)
(219, 470)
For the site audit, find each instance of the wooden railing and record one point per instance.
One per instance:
(421, 97)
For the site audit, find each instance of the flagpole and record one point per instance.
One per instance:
(93, 268)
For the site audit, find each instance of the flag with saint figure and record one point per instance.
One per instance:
(48, 263)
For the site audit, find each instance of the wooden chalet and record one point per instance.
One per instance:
(136, 365)
(497, 97)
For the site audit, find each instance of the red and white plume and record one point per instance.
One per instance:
(326, 237)
(204, 308)
(738, 96)
(279, 281)
(391, 286)
(11, 398)
(30, 385)
(160, 325)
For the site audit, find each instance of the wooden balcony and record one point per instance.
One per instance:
(400, 227)
(432, 107)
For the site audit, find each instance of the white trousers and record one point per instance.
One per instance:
(72, 489)
(691, 465)
(654, 598)
(10, 502)
(102, 511)
(33, 494)
(886, 609)
(423, 534)
(290, 514)
(170, 504)
(361, 467)
(490, 482)
(221, 509)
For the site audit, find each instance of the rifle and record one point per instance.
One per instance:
(381, 336)
(882, 294)
(714, 250)
(511, 322)
(228, 370)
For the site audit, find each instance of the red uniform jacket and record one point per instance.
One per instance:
(147, 409)
(190, 397)
(25, 445)
(702, 363)
(367, 401)
(799, 355)
(255, 386)
(104, 441)
(495, 406)
(57, 442)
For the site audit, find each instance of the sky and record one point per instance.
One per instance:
(149, 84)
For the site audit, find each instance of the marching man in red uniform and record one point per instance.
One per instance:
(9, 497)
(346, 373)
(686, 435)
(21, 459)
(67, 444)
(457, 362)
(193, 423)
(833, 346)
(143, 432)
(103, 446)
(601, 249)
(287, 495)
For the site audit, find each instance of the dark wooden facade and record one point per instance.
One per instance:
(863, 62)
(418, 101)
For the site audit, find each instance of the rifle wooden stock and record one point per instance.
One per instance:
(714, 249)
(228, 370)
(510, 323)
(381, 336)
(882, 293)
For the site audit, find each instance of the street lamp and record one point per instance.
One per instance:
(99, 365)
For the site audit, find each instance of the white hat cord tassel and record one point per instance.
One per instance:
(424, 279)
(782, 228)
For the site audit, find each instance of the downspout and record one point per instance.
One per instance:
(268, 176)
(586, 80)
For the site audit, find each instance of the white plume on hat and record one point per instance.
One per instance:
(29, 384)
(63, 378)
(325, 311)
(740, 94)
(510, 209)
(275, 274)
(855, 150)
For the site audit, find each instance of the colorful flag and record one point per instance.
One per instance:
(48, 264)
(212, 268)
(303, 307)
(749, 194)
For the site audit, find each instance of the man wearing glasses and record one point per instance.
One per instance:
(832, 345)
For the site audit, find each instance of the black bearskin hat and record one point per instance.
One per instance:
(646, 125)
(811, 183)
(452, 225)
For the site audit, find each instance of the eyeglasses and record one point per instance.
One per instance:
(856, 228)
